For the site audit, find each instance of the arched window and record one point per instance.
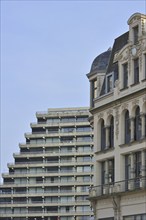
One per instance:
(111, 133)
(127, 127)
(137, 124)
(103, 141)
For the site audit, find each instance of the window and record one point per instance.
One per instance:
(82, 119)
(111, 133)
(53, 120)
(67, 120)
(94, 89)
(135, 217)
(138, 126)
(135, 34)
(83, 129)
(125, 75)
(136, 71)
(68, 129)
(102, 135)
(136, 172)
(109, 173)
(109, 83)
(145, 66)
(127, 128)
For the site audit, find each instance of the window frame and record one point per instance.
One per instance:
(136, 70)
(109, 88)
(125, 75)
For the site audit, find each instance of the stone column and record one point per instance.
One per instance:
(132, 129)
(142, 115)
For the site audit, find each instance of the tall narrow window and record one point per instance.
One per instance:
(109, 83)
(95, 89)
(103, 141)
(111, 133)
(136, 71)
(125, 75)
(145, 66)
(127, 128)
(138, 126)
(137, 162)
(127, 170)
(103, 173)
(135, 34)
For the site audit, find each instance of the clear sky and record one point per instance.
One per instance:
(47, 48)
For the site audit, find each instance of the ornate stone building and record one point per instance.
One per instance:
(118, 115)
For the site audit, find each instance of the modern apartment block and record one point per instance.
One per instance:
(118, 115)
(52, 173)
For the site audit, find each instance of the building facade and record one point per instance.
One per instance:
(52, 173)
(118, 115)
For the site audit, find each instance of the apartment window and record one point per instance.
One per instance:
(109, 83)
(137, 124)
(84, 139)
(67, 120)
(103, 141)
(82, 119)
(107, 173)
(111, 133)
(127, 128)
(125, 75)
(136, 71)
(83, 129)
(135, 217)
(67, 130)
(136, 171)
(111, 171)
(53, 120)
(137, 162)
(135, 34)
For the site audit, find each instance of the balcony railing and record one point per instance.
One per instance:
(117, 187)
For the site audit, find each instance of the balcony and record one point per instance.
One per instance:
(117, 187)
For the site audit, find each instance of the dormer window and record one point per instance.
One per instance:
(95, 89)
(135, 34)
(109, 83)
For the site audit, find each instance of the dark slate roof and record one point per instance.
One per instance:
(100, 62)
(119, 43)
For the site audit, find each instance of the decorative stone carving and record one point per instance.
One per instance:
(144, 98)
(135, 102)
(100, 115)
(109, 112)
(125, 106)
(117, 121)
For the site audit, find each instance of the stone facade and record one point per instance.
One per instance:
(118, 115)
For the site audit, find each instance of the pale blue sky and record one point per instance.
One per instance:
(47, 48)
